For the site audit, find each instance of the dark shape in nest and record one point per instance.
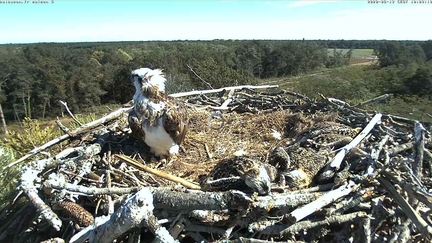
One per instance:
(241, 172)
(297, 165)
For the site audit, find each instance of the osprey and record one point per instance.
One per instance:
(156, 119)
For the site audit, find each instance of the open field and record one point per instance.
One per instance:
(362, 61)
(359, 56)
(357, 53)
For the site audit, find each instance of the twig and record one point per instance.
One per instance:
(422, 225)
(328, 198)
(168, 197)
(197, 92)
(157, 172)
(62, 127)
(207, 83)
(337, 160)
(419, 139)
(366, 229)
(252, 240)
(209, 154)
(108, 182)
(29, 175)
(379, 98)
(306, 225)
(137, 210)
(359, 197)
(85, 128)
(55, 183)
(284, 201)
(295, 94)
(417, 192)
(64, 103)
(400, 148)
(207, 229)
(224, 105)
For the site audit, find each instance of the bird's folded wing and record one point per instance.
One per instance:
(176, 122)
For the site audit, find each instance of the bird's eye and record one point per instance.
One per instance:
(140, 79)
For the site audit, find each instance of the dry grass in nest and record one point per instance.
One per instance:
(204, 147)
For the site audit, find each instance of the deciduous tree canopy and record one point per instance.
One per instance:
(34, 77)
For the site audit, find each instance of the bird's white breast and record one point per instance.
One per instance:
(159, 140)
(156, 137)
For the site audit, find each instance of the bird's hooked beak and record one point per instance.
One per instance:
(135, 77)
(140, 76)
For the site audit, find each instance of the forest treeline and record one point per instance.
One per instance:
(35, 77)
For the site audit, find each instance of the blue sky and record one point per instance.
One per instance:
(72, 21)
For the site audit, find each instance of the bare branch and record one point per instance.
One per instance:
(207, 83)
(64, 103)
(197, 92)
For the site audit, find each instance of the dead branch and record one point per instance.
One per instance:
(85, 128)
(337, 160)
(137, 210)
(64, 103)
(158, 173)
(373, 100)
(424, 228)
(309, 224)
(316, 205)
(198, 92)
(29, 176)
(207, 83)
(420, 143)
(253, 240)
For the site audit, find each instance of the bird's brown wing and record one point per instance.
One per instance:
(136, 126)
(176, 121)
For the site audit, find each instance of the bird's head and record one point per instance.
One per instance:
(147, 79)
(258, 179)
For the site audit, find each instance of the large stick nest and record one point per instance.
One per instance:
(106, 186)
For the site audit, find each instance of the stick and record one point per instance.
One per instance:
(337, 160)
(158, 173)
(359, 197)
(207, 83)
(328, 198)
(252, 240)
(37, 150)
(90, 191)
(62, 127)
(64, 103)
(224, 106)
(419, 140)
(85, 128)
(197, 92)
(29, 175)
(366, 229)
(379, 98)
(305, 225)
(137, 210)
(183, 199)
(422, 225)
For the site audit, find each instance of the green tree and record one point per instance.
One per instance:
(396, 53)
(427, 49)
(421, 83)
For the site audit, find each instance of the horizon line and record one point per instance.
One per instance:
(203, 40)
